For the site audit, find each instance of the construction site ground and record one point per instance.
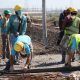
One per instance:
(43, 58)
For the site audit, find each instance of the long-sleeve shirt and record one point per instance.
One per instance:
(14, 24)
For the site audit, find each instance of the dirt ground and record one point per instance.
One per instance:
(45, 58)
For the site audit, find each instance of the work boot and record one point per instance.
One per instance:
(7, 68)
(63, 59)
(63, 56)
(58, 42)
(11, 68)
(16, 62)
(68, 65)
(73, 59)
(3, 56)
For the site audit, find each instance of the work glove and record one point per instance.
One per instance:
(27, 66)
(17, 34)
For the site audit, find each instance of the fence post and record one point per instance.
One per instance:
(44, 23)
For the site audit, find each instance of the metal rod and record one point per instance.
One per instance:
(44, 23)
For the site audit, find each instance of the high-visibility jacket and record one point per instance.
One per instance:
(74, 28)
(76, 37)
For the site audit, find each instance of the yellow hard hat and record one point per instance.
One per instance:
(18, 7)
(69, 9)
(74, 10)
(18, 46)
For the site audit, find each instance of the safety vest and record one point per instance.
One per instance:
(74, 36)
(74, 28)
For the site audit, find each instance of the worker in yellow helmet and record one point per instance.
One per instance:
(17, 25)
(71, 25)
(18, 46)
(73, 46)
(65, 22)
(22, 46)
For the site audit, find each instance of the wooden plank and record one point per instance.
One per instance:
(59, 69)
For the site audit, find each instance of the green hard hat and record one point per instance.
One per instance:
(7, 12)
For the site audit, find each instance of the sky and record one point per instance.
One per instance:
(50, 4)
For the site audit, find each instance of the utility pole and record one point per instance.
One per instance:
(44, 23)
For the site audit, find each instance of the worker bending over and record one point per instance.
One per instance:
(22, 46)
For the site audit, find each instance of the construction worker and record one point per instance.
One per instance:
(29, 24)
(0, 19)
(61, 19)
(17, 25)
(73, 46)
(22, 46)
(5, 20)
(62, 30)
(72, 25)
